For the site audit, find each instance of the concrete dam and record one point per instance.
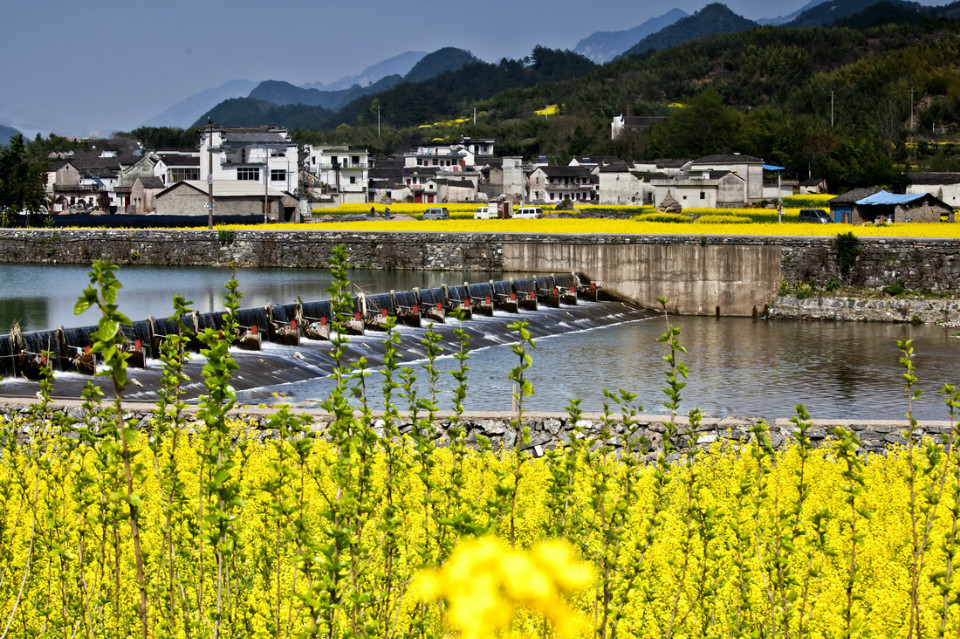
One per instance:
(285, 343)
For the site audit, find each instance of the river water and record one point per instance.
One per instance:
(738, 366)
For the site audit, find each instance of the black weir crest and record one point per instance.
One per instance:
(284, 343)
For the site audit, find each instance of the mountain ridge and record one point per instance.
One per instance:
(185, 112)
(399, 64)
(713, 19)
(604, 46)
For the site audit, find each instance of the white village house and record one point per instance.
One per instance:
(342, 171)
(264, 155)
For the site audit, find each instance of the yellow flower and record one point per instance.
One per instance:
(485, 580)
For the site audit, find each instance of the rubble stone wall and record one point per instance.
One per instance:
(548, 430)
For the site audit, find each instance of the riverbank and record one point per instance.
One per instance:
(867, 308)
(548, 430)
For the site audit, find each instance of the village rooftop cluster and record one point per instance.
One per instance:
(261, 172)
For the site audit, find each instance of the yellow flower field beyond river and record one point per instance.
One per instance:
(593, 226)
(643, 221)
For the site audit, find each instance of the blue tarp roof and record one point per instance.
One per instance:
(884, 197)
(771, 167)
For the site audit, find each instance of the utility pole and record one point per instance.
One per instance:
(378, 121)
(831, 109)
(912, 91)
(210, 174)
(266, 183)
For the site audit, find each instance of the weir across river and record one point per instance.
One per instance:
(285, 343)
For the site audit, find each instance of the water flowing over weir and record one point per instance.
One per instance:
(282, 344)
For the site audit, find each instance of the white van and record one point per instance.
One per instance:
(529, 213)
(485, 212)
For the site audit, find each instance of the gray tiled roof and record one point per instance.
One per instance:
(566, 171)
(850, 197)
(730, 158)
(151, 182)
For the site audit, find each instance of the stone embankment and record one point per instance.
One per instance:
(945, 312)
(547, 430)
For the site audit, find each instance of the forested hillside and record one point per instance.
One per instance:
(828, 101)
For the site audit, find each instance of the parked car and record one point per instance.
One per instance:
(529, 213)
(815, 216)
(436, 213)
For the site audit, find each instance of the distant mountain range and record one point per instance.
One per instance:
(397, 65)
(670, 29)
(604, 46)
(713, 19)
(270, 94)
(830, 12)
(790, 16)
(428, 66)
(184, 113)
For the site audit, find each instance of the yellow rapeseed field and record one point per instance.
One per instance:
(595, 226)
(748, 559)
(693, 221)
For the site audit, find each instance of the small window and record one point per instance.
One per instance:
(703, 195)
(278, 175)
(353, 179)
(248, 174)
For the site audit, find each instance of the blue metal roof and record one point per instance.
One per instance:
(883, 197)
(771, 167)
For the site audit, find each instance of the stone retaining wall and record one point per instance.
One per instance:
(823, 307)
(923, 264)
(547, 430)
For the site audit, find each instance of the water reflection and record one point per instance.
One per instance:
(738, 367)
(25, 311)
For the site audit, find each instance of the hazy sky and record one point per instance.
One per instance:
(92, 67)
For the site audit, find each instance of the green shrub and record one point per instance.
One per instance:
(806, 201)
(678, 218)
(723, 219)
(848, 248)
(894, 290)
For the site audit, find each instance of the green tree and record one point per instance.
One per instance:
(22, 181)
(703, 127)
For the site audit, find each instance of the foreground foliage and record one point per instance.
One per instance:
(200, 525)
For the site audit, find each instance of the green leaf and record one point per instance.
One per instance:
(107, 330)
(82, 305)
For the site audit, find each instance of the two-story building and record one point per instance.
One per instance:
(462, 156)
(87, 181)
(343, 171)
(264, 155)
(553, 184)
(503, 177)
